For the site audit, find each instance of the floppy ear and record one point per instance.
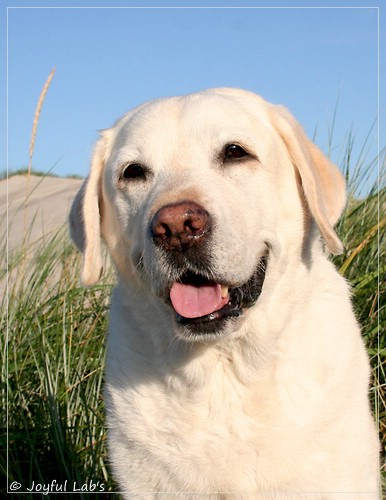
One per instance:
(323, 184)
(85, 218)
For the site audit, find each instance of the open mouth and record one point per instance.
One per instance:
(205, 306)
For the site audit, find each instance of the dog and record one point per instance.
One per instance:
(235, 365)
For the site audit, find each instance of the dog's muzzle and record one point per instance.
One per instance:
(202, 304)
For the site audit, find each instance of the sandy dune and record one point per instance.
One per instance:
(33, 207)
(36, 206)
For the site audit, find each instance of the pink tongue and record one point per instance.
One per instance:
(194, 301)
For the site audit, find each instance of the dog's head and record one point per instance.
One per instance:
(193, 195)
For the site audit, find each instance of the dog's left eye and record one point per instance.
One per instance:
(234, 152)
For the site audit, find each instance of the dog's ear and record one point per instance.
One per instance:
(322, 183)
(85, 217)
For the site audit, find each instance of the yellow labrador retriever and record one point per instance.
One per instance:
(235, 365)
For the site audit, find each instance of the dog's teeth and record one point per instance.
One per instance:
(224, 291)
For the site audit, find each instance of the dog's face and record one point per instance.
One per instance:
(195, 195)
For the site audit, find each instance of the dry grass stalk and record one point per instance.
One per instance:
(31, 150)
(37, 116)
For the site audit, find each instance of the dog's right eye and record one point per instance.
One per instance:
(133, 171)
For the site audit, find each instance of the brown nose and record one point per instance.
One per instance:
(180, 225)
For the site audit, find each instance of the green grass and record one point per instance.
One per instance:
(24, 171)
(38, 173)
(54, 369)
(52, 363)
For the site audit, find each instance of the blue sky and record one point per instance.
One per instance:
(111, 59)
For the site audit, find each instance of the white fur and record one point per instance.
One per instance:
(278, 408)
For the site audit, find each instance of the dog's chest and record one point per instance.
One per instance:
(217, 427)
(204, 424)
